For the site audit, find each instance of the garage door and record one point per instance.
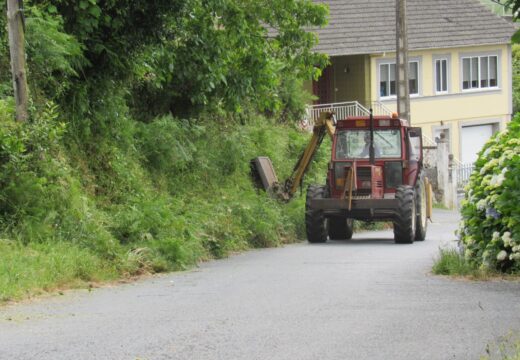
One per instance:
(473, 139)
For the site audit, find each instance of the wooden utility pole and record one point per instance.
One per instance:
(402, 66)
(17, 48)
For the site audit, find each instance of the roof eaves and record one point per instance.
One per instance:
(381, 52)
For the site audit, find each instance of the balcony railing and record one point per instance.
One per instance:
(344, 110)
(380, 109)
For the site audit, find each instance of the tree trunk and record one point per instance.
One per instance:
(17, 50)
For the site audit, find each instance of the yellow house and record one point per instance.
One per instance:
(460, 70)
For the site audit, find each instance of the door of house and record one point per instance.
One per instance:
(473, 138)
(324, 87)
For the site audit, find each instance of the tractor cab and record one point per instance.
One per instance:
(381, 154)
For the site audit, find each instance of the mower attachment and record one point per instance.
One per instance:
(263, 173)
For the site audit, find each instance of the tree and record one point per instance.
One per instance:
(182, 55)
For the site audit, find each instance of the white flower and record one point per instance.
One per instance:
(485, 180)
(506, 238)
(504, 171)
(482, 204)
(502, 255)
(500, 179)
(494, 181)
(514, 256)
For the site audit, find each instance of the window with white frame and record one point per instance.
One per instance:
(441, 76)
(479, 72)
(387, 79)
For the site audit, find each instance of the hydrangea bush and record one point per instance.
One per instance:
(489, 232)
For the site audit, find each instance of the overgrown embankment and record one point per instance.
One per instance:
(165, 195)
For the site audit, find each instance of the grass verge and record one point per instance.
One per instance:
(450, 262)
(34, 269)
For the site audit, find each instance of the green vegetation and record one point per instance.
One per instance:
(451, 262)
(507, 349)
(516, 78)
(498, 7)
(490, 230)
(144, 117)
(161, 205)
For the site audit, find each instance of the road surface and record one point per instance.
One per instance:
(362, 299)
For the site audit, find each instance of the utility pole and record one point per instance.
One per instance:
(17, 49)
(402, 66)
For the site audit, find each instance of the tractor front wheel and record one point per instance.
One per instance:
(315, 221)
(340, 228)
(404, 224)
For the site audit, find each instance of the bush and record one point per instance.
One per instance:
(490, 230)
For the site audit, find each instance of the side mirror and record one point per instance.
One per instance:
(415, 144)
(414, 133)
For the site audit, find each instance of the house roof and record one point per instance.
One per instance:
(368, 26)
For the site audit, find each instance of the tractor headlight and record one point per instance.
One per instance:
(340, 171)
(393, 174)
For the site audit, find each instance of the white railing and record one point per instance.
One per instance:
(428, 141)
(380, 109)
(464, 172)
(342, 110)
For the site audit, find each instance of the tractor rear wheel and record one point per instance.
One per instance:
(420, 201)
(340, 228)
(314, 218)
(404, 224)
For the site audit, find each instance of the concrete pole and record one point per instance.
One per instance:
(403, 86)
(17, 50)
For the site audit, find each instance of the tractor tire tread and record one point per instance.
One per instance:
(314, 218)
(340, 229)
(404, 232)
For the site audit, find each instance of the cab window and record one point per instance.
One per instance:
(354, 144)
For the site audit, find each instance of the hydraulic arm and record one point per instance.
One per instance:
(264, 173)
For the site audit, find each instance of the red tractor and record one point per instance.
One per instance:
(375, 174)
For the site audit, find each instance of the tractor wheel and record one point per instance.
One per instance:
(340, 228)
(421, 223)
(314, 218)
(404, 224)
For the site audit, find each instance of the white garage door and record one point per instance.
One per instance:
(473, 139)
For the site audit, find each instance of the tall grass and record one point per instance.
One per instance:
(451, 262)
(169, 194)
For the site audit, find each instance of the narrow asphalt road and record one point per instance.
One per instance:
(362, 299)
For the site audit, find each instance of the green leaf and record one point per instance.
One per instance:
(516, 38)
(95, 11)
(83, 4)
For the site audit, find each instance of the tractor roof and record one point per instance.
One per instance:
(364, 122)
